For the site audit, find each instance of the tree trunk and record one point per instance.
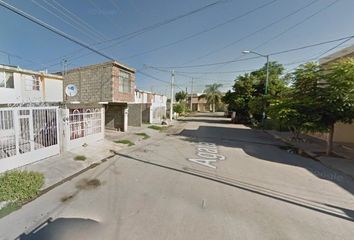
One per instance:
(330, 140)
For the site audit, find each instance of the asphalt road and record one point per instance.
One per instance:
(215, 180)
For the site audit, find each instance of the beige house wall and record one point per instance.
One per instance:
(342, 132)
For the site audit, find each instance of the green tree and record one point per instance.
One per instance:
(257, 105)
(181, 96)
(323, 96)
(287, 113)
(338, 96)
(179, 108)
(212, 94)
(276, 81)
(248, 97)
(309, 90)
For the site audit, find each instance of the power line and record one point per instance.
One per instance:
(255, 32)
(317, 57)
(158, 79)
(209, 64)
(19, 57)
(159, 24)
(78, 19)
(115, 5)
(296, 24)
(138, 32)
(63, 20)
(52, 29)
(311, 45)
(203, 31)
(290, 28)
(99, 10)
(153, 77)
(211, 72)
(338, 45)
(250, 58)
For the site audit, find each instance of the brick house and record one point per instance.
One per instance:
(109, 84)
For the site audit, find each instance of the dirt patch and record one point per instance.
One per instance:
(87, 184)
(298, 151)
(66, 198)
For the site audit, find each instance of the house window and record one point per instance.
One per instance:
(6, 120)
(36, 83)
(6, 80)
(124, 82)
(32, 83)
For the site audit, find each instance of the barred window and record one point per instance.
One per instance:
(32, 83)
(124, 82)
(6, 80)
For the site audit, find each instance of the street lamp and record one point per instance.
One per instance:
(267, 77)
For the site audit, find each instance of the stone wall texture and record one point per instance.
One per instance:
(134, 115)
(98, 83)
(114, 117)
(94, 84)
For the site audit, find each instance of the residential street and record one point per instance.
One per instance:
(213, 180)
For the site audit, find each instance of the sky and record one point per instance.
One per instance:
(158, 36)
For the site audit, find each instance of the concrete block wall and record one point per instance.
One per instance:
(146, 113)
(135, 115)
(114, 117)
(94, 83)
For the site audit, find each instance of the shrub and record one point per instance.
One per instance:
(80, 158)
(125, 141)
(144, 135)
(9, 208)
(179, 108)
(159, 128)
(20, 186)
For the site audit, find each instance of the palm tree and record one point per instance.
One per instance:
(212, 94)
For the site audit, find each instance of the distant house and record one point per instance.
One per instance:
(29, 121)
(108, 85)
(342, 132)
(199, 104)
(148, 107)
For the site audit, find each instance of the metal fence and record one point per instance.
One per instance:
(84, 122)
(27, 129)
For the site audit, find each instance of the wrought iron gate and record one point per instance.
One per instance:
(28, 134)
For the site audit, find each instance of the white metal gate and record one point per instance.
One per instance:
(28, 134)
(85, 125)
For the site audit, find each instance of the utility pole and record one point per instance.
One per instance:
(191, 105)
(267, 77)
(172, 97)
(266, 80)
(9, 58)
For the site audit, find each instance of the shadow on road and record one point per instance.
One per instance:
(264, 147)
(207, 120)
(277, 195)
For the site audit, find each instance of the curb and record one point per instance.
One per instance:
(64, 180)
(309, 154)
(68, 178)
(306, 153)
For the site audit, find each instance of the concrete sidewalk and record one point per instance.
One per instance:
(316, 148)
(59, 168)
